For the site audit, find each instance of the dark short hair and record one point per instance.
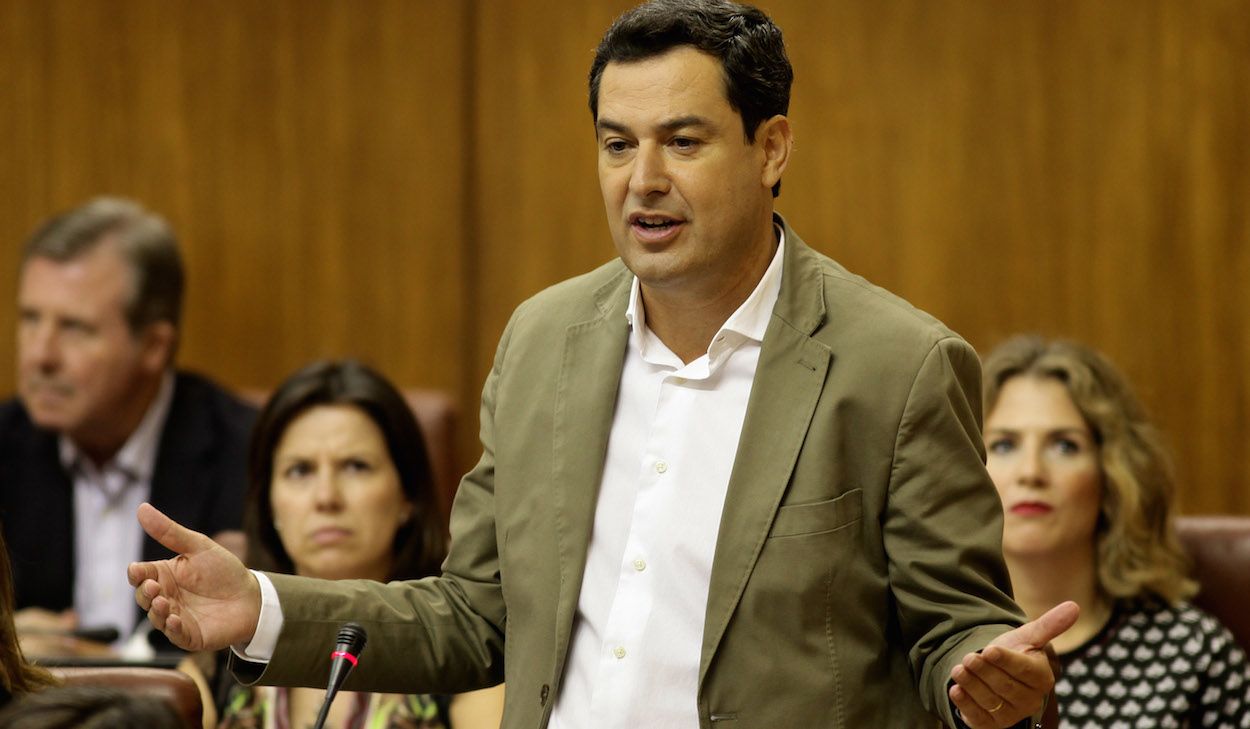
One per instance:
(90, 707)
(146, 243)
(745, 41)
(420, 544)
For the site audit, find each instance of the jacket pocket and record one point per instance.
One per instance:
(798, 520)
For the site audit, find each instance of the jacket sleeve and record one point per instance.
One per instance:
(943, 525)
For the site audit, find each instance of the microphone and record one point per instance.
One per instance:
(343, 659)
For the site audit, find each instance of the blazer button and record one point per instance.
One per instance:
(542, 695)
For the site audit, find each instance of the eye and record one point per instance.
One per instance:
(357, 465)
(77, 326)
(1001, 445)
(685, 144)
(1068, 446)
(297, 470)
(615, 146)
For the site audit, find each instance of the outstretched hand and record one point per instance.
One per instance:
(1010, 679)
(203, 598)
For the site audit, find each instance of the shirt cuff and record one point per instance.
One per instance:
(268, 627)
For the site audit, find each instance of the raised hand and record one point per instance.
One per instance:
(204, 598)
(1010, 679)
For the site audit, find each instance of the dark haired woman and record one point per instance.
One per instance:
(340, 487)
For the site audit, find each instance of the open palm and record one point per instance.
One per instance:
(204, 598)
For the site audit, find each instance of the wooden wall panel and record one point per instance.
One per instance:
(390, 178)
(1071, 168)
(1076, 169)
(310, 155)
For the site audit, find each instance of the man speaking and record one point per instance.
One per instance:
(724, 482)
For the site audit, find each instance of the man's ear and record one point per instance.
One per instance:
(159, 341)
(776, 141)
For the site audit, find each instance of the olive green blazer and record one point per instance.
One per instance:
(859, 554)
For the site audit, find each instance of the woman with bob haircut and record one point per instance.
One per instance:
(1087, 491)
(340, 487)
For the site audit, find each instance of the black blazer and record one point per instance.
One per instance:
(199, 480)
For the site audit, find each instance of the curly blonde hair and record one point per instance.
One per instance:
(1136, 549)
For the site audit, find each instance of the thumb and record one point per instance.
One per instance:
(170, 533)
(1035, 634)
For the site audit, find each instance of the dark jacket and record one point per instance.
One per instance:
(199, 480)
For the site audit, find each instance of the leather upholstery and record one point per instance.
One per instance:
(1220, 549)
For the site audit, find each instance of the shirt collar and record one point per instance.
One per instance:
(751, 317)
(137, 457)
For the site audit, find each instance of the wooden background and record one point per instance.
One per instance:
(389, 178)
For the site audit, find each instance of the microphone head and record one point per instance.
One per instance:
(352, 635)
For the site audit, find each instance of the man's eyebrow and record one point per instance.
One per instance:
(607, 125)
(669, 125)
(682, 122)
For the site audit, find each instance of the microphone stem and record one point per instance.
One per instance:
(325, 710)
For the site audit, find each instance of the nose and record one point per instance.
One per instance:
(327, 493)
(1031, 470)
(649, 175)
(39, 346)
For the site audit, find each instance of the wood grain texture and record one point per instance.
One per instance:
(389, 179)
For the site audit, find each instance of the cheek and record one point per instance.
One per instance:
(381, 507)
(1083, 495)
(998, 471)
(288, 508)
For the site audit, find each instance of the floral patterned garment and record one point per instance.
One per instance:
(1156, 666)
(265, 707)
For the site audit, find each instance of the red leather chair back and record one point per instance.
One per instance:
(166, 684)
(1220, 549)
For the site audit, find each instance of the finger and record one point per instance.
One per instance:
(170, 533)
(980, 692)
(137, 572)
(1017, 697)
(176, 630)
(1036, 634)
(144, 593)
(969, 710)
(1031, 669)
(158, 613)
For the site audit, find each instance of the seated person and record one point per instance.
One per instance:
(90, 707)
(17, 677)
(1086, 490)
(103, 422)
(341, 488)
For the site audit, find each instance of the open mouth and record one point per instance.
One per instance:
(654, 228)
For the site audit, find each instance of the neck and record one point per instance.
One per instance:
(1041, 582)
(686, 319)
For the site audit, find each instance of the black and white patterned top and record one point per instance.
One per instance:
(1155, 665)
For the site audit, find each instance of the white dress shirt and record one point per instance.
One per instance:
(107, 537)
(638, 633)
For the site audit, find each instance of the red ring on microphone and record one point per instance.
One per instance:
(343, 654)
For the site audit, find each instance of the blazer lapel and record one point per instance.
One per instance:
(585, 402)
(788, 383)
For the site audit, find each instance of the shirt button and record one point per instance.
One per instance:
(640, 565)
(679, 381)
(661, 466)
(619, 652)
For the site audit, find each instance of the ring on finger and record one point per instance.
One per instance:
(996, 708)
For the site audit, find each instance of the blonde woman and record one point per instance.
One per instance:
(1087, 490)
